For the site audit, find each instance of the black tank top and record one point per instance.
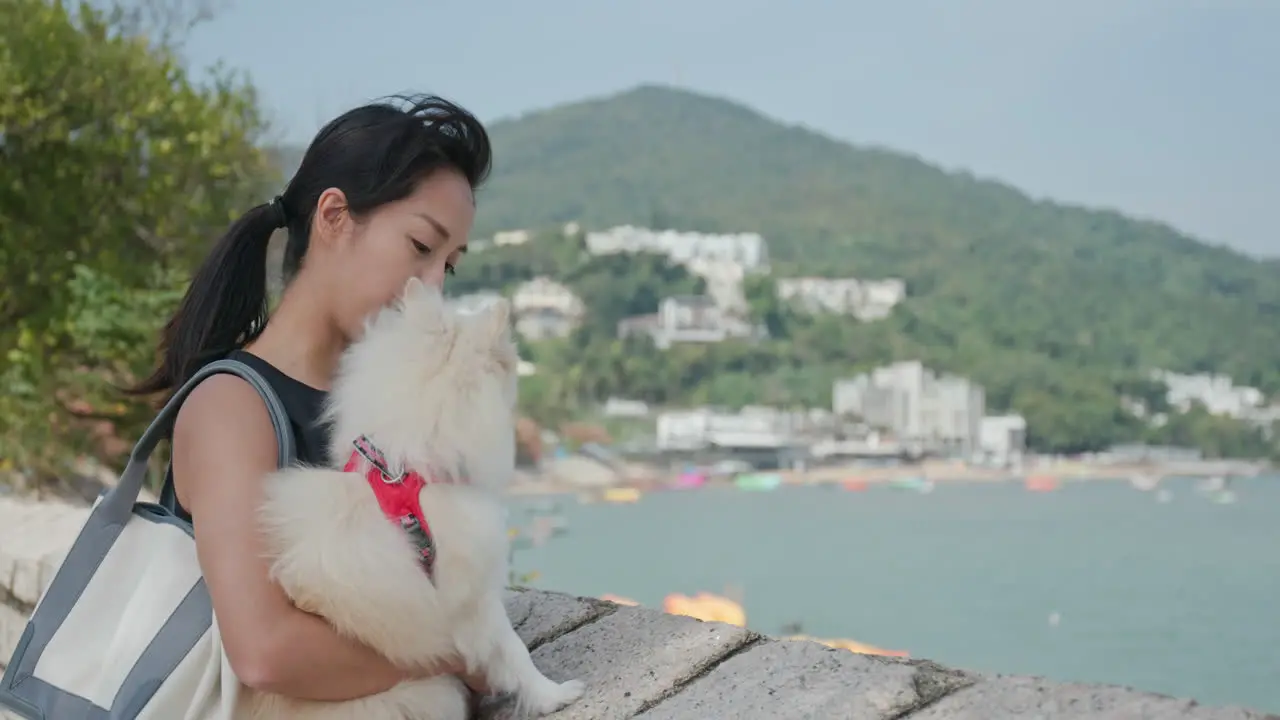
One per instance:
(302, 403)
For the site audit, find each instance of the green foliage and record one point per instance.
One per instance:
(1056, 310)
(111, 158)
(1216, 436)
(796, 367)
(1070, 408)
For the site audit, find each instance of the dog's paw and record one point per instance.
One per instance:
(554, 696)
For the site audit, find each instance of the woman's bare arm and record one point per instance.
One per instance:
(224, 447)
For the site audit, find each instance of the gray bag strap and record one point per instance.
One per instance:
(117, 504)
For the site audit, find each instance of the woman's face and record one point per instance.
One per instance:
(423, 235)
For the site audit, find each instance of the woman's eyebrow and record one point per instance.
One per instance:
(444, 231)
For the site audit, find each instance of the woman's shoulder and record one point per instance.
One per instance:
(223, 400)
(303, 404)
(283, 384)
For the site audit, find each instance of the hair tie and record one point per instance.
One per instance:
(277, 207)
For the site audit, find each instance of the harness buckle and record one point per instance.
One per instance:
(375, 458)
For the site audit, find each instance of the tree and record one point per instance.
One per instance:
(117, 169)
(1072, 404)
(986, 266)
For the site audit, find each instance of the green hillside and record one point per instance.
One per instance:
(1056, 310)
(1058, 281)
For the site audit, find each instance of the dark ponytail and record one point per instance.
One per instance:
(224, 308)
(375, 154)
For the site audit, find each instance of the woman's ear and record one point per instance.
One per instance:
(332, 219)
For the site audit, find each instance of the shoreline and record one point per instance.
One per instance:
(543, 482)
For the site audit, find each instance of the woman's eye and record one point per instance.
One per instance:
(422, 249)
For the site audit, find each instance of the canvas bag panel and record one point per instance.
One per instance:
(125, 630)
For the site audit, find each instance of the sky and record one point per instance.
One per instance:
(1163, 109)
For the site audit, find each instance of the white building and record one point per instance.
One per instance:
(746, 249)
(623, 408)
(864, 299)
(687, 319)
(1217, 393)
(879, 297)
(511, 237)
(543, 293)
(724, 283)
(703, 428)
(939, 412)
(1003, 438)
(545, 309)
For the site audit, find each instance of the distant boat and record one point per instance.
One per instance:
(1041, 483)
(1145, 482)
(1217, 483)
(854, 484)
(621, 495)
(690, 480)
(919, 484)
(706, 607)
(758, 482)
(1218, 490)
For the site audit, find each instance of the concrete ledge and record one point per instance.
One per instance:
(647, 664)
(34, 537)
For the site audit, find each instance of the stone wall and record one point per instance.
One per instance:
(647, 664)
(643, 663)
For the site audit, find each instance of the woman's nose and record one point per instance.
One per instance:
(433, 275)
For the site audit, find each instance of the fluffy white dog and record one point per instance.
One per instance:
(426, 396)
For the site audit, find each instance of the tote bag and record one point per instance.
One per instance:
(126, 630)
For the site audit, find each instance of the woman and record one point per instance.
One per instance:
(385, 192)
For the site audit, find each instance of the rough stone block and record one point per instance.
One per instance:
(34, 537)
(631, 658)
(12, 623)
(786, 679)
(542, 616)
(1036, 698)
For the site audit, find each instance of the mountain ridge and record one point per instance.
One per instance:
(645, 91)
(996, 276)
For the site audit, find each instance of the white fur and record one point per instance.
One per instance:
(434, 389)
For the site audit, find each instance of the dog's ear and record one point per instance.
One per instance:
(497, 320)
(424, 305)
(414, 288)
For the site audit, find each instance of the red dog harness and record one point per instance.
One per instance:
(399, 496)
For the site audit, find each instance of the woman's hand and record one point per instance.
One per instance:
(455, 666)
(476, 682)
